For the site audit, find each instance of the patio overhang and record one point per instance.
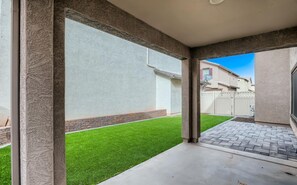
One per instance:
(170, 29)
(267, 41)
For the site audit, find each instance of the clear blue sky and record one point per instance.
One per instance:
(243, 65)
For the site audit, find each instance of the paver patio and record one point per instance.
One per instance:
(265, 139)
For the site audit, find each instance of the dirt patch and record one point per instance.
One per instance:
(245, 119)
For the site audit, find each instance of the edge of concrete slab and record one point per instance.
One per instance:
(251, 155)
(5, 145)
(123, 123)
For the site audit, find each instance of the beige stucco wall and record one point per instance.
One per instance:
(214, 70)
(219, 76)
(272, 96)
(243, 85)
(5, 60)
(233, 80)
(215, 76)
(224, 76)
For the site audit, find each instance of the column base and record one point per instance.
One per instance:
(190, 140)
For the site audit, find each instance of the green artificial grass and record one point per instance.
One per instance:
(95, 155)
(5, 165)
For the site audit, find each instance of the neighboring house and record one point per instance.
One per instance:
(5, 58)
(245, 85)
(168, 89)
(105, 75)
(273, 84)
(121, 75)
(215, 77)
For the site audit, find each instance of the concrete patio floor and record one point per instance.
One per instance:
(188, 164)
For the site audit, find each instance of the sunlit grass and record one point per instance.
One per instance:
(95, 155)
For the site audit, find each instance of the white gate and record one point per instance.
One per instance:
(228, 103)
(243, 101)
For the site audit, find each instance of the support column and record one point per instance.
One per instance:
(190, 100)
(42, 151)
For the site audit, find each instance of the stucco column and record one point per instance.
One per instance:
(42, 150)
(190, 100)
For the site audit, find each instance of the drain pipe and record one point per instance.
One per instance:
(148, 59)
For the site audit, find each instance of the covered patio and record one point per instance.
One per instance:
(202, 164)
(188, 30)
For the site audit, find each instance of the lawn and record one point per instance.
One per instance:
(96, 155)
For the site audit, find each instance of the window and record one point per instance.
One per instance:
(207, 74)
(294, 95)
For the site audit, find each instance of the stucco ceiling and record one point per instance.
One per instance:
(197, 22)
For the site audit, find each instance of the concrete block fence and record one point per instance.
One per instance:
(4, 135)
(87, 123)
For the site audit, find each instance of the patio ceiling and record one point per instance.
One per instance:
(198, 23)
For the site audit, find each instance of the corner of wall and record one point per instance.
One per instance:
(293, 126)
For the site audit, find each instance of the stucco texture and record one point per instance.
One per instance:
(272, 77)
(36, 92)
(103, 73)
(5, 60)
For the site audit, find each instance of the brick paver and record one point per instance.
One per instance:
(265, 139)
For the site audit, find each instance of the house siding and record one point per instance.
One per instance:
(107, 75)
(221, 79)
(5, 58)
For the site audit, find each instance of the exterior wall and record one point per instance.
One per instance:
(164, 62)
(5, 59)
(272, 85)
(224, 77)
(106, 56)
(293, 63)
(81, 124)
(233, 80)
(243, 85)
(163, 93)
(175, 96)
(97, 66)
(223, 88)
(215, 70)
(5, 135)
(215, 74)
(219, 76)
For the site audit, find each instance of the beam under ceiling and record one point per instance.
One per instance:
(263, 42)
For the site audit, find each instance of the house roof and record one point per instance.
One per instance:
(248, 79)
(199, 23)
(227, 85)
(222, 67)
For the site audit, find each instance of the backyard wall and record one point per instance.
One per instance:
(227, 103)
(272, 83)
(88, 123)
(5, 39)
(81, 124)
(106, 75)
(4, 135)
